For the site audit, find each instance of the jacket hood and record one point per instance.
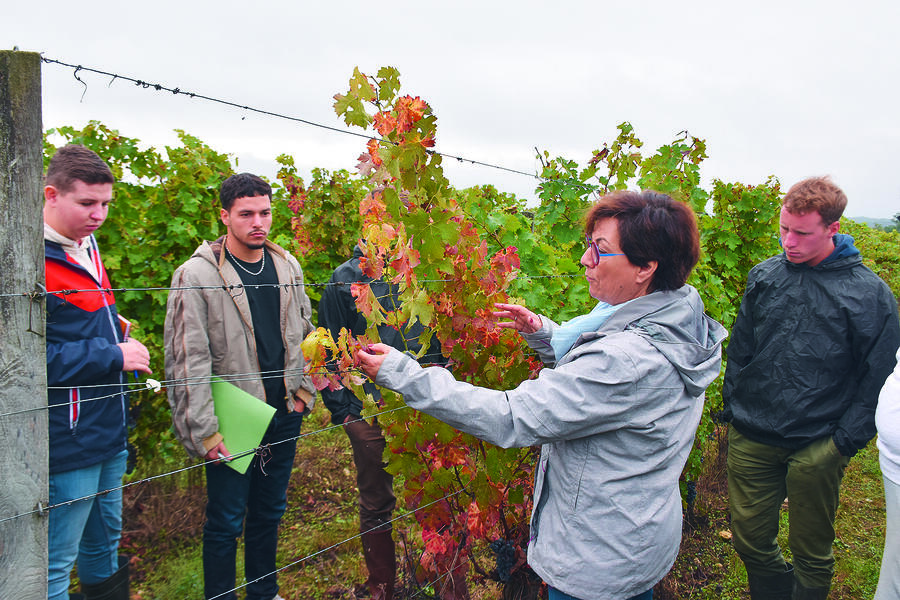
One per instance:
(674, 323)
(206, 252)
(843, 248)
(211, 251)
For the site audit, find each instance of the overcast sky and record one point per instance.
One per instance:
(790, 89)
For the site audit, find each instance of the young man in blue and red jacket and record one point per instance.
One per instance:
(87, 357)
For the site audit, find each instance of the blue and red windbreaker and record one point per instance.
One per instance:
(88, 416)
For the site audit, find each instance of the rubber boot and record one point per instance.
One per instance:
(115, 587)
(805, 593)
(381, 561)
(772, 587)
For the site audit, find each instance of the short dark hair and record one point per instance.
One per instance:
(242, 185)
(652, 227)
(816, 194)
(76, 163)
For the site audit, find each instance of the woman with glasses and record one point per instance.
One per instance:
(616, 413)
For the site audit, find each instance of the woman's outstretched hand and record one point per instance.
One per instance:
(370, 358)
(520, 318)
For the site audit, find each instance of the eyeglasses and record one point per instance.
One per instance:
(595, 251)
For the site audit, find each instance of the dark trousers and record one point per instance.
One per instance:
(252, 504)
(760, 477)
(376, 489)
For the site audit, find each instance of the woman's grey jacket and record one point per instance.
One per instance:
(616, 419)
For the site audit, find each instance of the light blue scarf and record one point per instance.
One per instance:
(565, 335)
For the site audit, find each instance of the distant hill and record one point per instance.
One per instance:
(870, 221)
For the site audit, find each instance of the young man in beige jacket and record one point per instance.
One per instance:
(239, 310)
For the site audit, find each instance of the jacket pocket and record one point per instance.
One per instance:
(575, 486)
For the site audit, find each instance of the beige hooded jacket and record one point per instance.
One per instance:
(209, 331)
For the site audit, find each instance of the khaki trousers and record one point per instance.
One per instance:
(760, 477)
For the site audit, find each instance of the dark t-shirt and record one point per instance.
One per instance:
(265, 310)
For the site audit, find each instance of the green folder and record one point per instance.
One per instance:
(243, 420)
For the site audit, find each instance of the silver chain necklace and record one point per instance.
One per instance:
(245, 269)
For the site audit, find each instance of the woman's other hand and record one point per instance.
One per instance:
(370, 358)
(520, 318)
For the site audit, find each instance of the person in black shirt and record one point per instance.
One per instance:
(238, 309)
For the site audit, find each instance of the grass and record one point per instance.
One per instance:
(180, 575)
(860, 528)
(163, 530)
